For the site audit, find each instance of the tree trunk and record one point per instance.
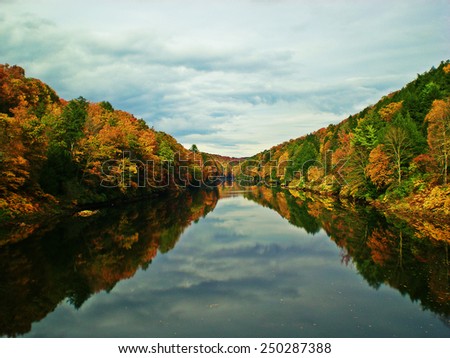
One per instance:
(445, 168)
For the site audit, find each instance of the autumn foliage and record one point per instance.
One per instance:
(393, 152)
(438, 120)
(379, 170)
(78, 152)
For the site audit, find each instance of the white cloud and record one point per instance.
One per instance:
(236, 77)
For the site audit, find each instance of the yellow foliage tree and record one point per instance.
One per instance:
(388, 112)
(438, 119)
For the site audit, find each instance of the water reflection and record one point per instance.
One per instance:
(384, 250)
(240, 271)
(78, 257)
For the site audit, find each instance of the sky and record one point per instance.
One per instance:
(233, 77)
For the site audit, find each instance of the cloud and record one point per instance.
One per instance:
(236, 79)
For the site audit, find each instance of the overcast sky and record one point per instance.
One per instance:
(234, 77)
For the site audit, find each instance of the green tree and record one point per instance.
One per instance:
(64, 132)
(107, 106)
(165, 152)
(365, 137)
(194, 148)
(430, 92)
(73, 119)
(418, 140)
(304, 157)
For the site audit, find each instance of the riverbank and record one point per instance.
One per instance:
(36, 214)
(427, 210)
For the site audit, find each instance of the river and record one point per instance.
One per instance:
(228, 262)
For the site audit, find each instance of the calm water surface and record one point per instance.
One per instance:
(226, 263)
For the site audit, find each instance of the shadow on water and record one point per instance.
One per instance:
(78, 257)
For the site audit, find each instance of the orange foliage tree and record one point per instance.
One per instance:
(379, 169)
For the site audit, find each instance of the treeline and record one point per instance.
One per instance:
(397, 147)
(55, 152)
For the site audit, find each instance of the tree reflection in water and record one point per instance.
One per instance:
(384, 250)
(78, 257)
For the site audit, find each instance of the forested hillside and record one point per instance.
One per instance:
(56, 153)
(397, 148)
